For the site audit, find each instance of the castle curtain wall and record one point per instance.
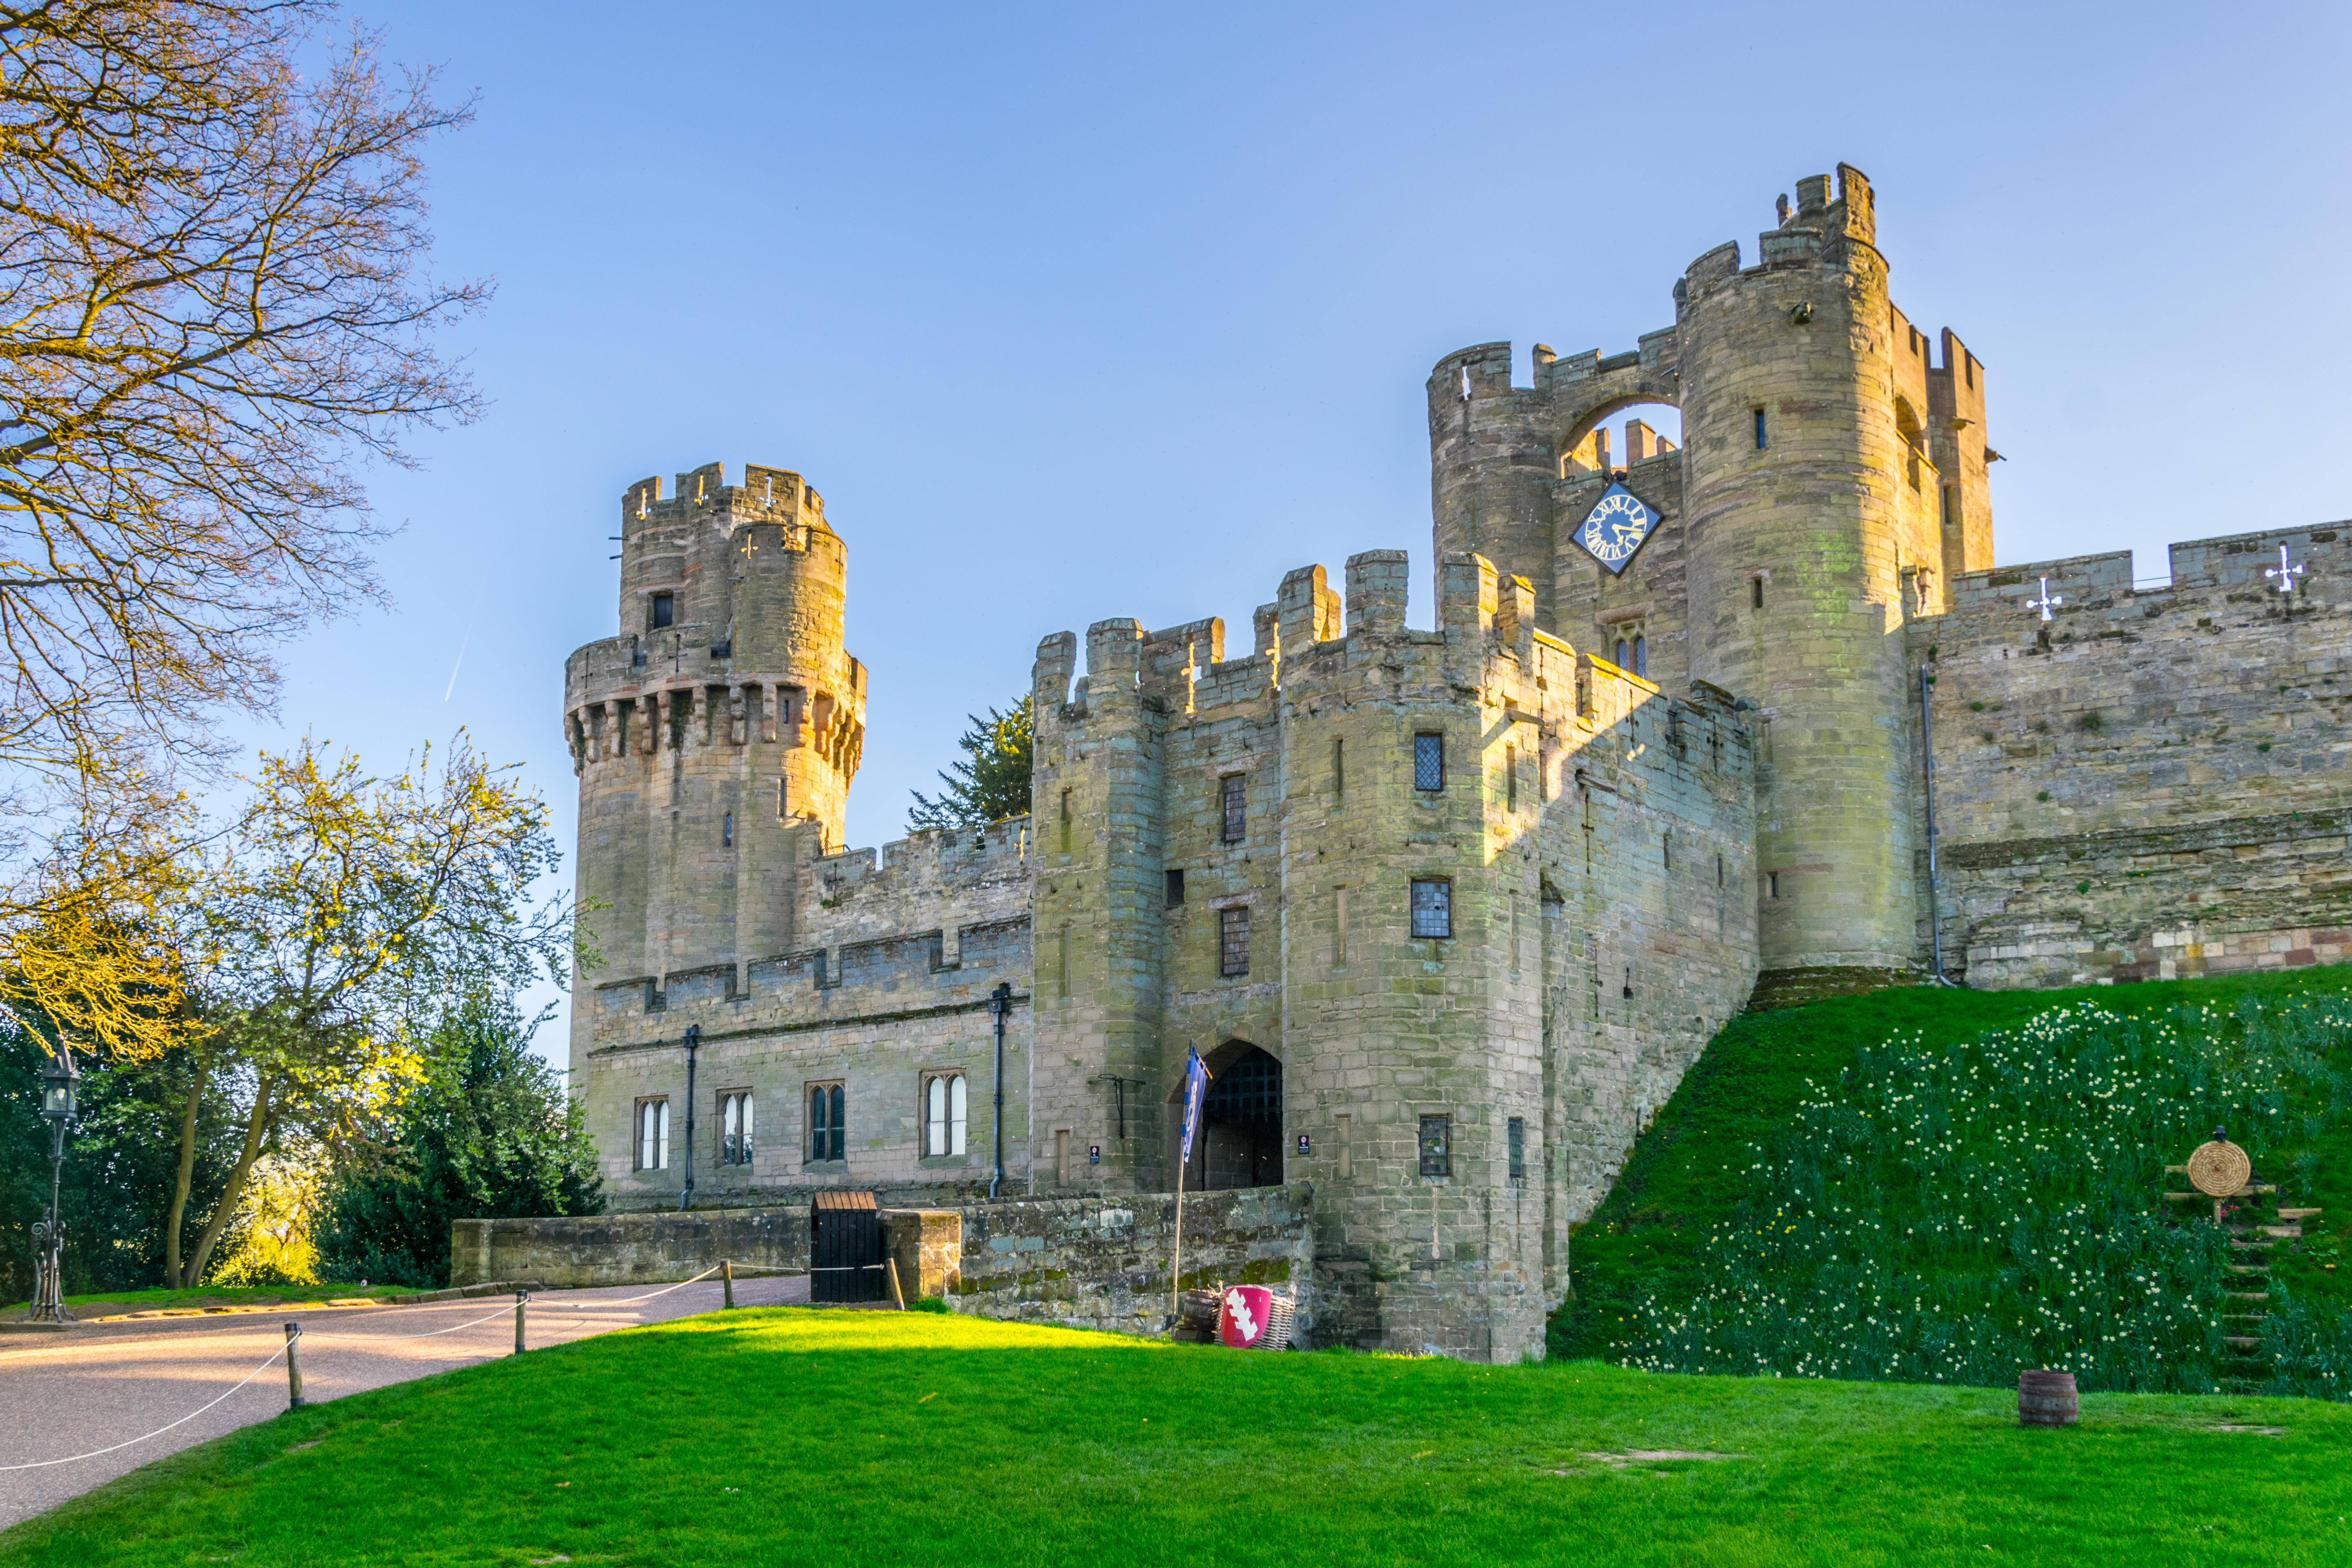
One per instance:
(2153, 784)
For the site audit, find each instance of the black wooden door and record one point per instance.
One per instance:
(845, 1249)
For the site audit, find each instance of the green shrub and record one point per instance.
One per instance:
(928, 1304)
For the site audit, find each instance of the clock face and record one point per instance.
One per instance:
(1615, 528)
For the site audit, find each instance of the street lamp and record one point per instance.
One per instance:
(58, 1082)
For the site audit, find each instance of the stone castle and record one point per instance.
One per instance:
(1448, 912)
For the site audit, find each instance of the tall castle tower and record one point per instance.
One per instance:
(716, 736)
(1830, 486)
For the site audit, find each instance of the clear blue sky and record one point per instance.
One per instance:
(1105, 311)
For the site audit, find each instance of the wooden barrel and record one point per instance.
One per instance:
(2045, 1398)
(1196, 1318)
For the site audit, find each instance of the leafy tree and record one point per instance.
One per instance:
(490, 1134)
(992, 781)
(337, 912)
(121, 1160)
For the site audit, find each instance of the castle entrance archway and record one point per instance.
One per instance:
(1241, 1120)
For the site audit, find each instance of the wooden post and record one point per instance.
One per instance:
(896, 1294)
(1176, 1261)
(727, 1277)
(293, 1367)
(520, 1297)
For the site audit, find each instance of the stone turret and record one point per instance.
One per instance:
(716, 736)
(1830, 486)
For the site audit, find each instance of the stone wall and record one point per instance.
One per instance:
(1097, 1261)
(2155, 783)
(576, 1252)
(1102, 1262)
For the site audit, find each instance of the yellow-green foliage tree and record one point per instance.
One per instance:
(337, 912)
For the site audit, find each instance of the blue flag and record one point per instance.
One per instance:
(1196, 1091)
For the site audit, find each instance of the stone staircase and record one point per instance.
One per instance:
(2257, 1226)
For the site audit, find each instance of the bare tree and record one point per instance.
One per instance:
(211, 320)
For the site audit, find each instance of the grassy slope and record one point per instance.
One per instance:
(1680, 1181)
(796, 1435)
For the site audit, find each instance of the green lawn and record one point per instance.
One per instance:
(796, 1435)
(108, 1302)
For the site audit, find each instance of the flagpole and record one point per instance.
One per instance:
(1176, 1263)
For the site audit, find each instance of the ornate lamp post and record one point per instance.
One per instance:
(58, 1081)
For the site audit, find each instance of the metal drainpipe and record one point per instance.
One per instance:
(1928, 775)
(999, 1002)
(693, 1039)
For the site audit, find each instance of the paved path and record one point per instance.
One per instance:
(109, 1381)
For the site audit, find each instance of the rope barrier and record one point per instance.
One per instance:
(191, 1416)
(633, 1300)
(429, 1333)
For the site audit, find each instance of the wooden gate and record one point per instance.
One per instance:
(845, 1249)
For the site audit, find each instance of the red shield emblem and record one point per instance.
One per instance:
(1244, 1315)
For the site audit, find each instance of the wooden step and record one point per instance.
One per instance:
(2242, 1342)
(2247, 1267)
(2248, 1295)
(2237, 1246)
(2299, 1214)
(2291, 1232)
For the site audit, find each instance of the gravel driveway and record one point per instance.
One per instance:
(110, 1382)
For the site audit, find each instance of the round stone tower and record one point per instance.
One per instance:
(716, 736)
(1801, 539)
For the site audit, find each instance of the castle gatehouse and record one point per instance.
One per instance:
(1737, 720)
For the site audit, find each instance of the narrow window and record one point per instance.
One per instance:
(1175, 889)
(727, 832)
(735, 1127)
(1511, 778)
(1583, 691)
(664, 610)
(1066, 822)
(1433, 907)
(1518, 1131)
(1339, 769)
(653, 1134)
(1233, 802)
(1756, 593)
(1625, 654)
(828, 1137)
(1641, 657)
(944, 1106)
(1061, 961)
(1666, 850)
(1429, 762)
(780, 800)
(1718, 870)
(1772, 884)
(1339, 928)
(1436, 1145)
(1950, 505)
(1233, 940)
(1759, 429)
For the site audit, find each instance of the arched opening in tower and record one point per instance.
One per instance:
(1241, 1122)
(1622, 437)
